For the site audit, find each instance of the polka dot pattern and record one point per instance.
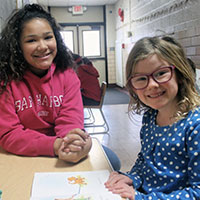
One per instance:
(168, 166)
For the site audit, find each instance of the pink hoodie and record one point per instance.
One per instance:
(35, 111)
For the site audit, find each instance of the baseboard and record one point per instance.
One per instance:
(113, 85)
(122, 89)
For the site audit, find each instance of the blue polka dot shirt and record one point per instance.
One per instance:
(168, 165)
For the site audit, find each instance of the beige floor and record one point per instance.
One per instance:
(123, 136)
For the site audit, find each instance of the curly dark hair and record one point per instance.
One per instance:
(12, 62)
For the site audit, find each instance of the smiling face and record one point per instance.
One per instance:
(162, 97)
(38, 45)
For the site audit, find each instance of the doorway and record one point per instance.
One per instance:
(88, 41)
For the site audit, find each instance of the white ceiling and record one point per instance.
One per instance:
(75, 2)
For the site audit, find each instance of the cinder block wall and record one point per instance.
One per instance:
(177, 18)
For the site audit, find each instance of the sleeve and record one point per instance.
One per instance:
(184, 194)
(71, 114)
(135, 173)
(15, 138)
(192, 191)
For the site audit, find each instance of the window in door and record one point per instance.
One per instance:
(91, 43)
(68, 39)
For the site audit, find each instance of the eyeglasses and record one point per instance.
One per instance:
(161, 75)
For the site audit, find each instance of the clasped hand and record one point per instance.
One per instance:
(74, 146)
(121, 184)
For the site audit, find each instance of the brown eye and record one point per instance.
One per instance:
(31, 40)
(48, 37)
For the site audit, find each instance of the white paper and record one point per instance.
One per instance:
(71, 186)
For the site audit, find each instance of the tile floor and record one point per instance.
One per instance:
(123, 137)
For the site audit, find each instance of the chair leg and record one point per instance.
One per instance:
(105, 122)
(88, 116)
(104, 125)
(90, 119)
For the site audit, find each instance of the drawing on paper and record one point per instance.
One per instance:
(81, 182)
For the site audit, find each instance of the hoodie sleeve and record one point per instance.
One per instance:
(70, 115)
(17, 139)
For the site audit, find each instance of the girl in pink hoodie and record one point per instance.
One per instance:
(41, 106)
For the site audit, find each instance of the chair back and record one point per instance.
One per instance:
(103, 92)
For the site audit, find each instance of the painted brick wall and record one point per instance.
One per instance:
(177, 18)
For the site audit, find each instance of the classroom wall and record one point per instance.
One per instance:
(6, 8)
(179, 19)
(110, 33)
(93, 14)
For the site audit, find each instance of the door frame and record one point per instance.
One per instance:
(105, 38)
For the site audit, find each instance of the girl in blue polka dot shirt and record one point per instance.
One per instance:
(161, 85)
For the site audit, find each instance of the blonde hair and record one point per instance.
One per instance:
(173, 53)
